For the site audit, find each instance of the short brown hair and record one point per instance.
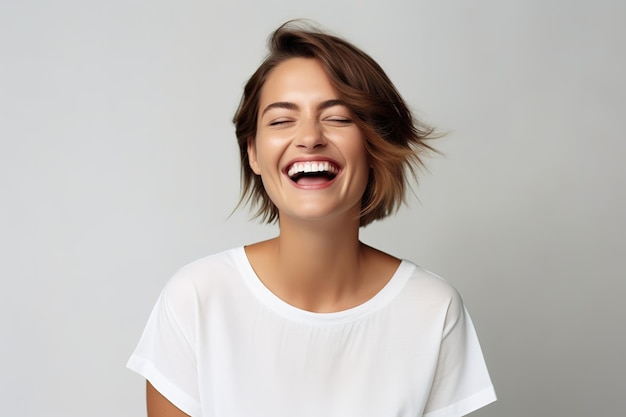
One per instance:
(394, 139)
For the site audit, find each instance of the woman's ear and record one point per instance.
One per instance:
(252, 160)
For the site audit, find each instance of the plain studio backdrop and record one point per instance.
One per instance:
(119, 165)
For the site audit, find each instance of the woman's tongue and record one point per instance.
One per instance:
(312, 179)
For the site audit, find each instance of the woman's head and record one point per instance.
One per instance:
(394, 140)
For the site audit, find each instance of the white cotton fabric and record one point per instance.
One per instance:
(220, 344)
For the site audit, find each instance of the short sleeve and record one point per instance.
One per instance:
(461, 384)
(166, 354)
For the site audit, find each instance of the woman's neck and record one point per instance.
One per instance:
(319, 253)
(319, 267)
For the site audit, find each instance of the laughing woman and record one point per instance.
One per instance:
(314, 322)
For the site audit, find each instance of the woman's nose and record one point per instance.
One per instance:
(310, 135)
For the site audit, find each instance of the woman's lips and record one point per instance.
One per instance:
(312, 173)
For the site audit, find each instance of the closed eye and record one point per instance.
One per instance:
(279, 122)
(338, 120)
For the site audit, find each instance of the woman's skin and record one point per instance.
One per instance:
(317, 262)
(159, 406)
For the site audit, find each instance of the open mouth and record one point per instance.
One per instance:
(312, 172)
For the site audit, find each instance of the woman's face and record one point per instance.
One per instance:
(308, 151)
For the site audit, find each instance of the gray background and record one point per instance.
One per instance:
(119, 165)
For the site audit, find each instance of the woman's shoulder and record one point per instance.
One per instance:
(222, 261)
(415, 280)
(205, 275)
(426, 285)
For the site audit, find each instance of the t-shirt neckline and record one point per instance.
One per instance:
(281, 307)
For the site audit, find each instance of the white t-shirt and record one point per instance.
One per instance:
(220, 344)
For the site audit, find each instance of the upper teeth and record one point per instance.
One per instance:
(311, 166)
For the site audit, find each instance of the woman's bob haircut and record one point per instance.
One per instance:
(394, 140)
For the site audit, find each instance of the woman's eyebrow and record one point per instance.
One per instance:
(330, 103)
(293, 106)
(280, 105)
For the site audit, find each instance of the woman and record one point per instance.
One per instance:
(314, 322)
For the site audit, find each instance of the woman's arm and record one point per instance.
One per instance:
(159, 406)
